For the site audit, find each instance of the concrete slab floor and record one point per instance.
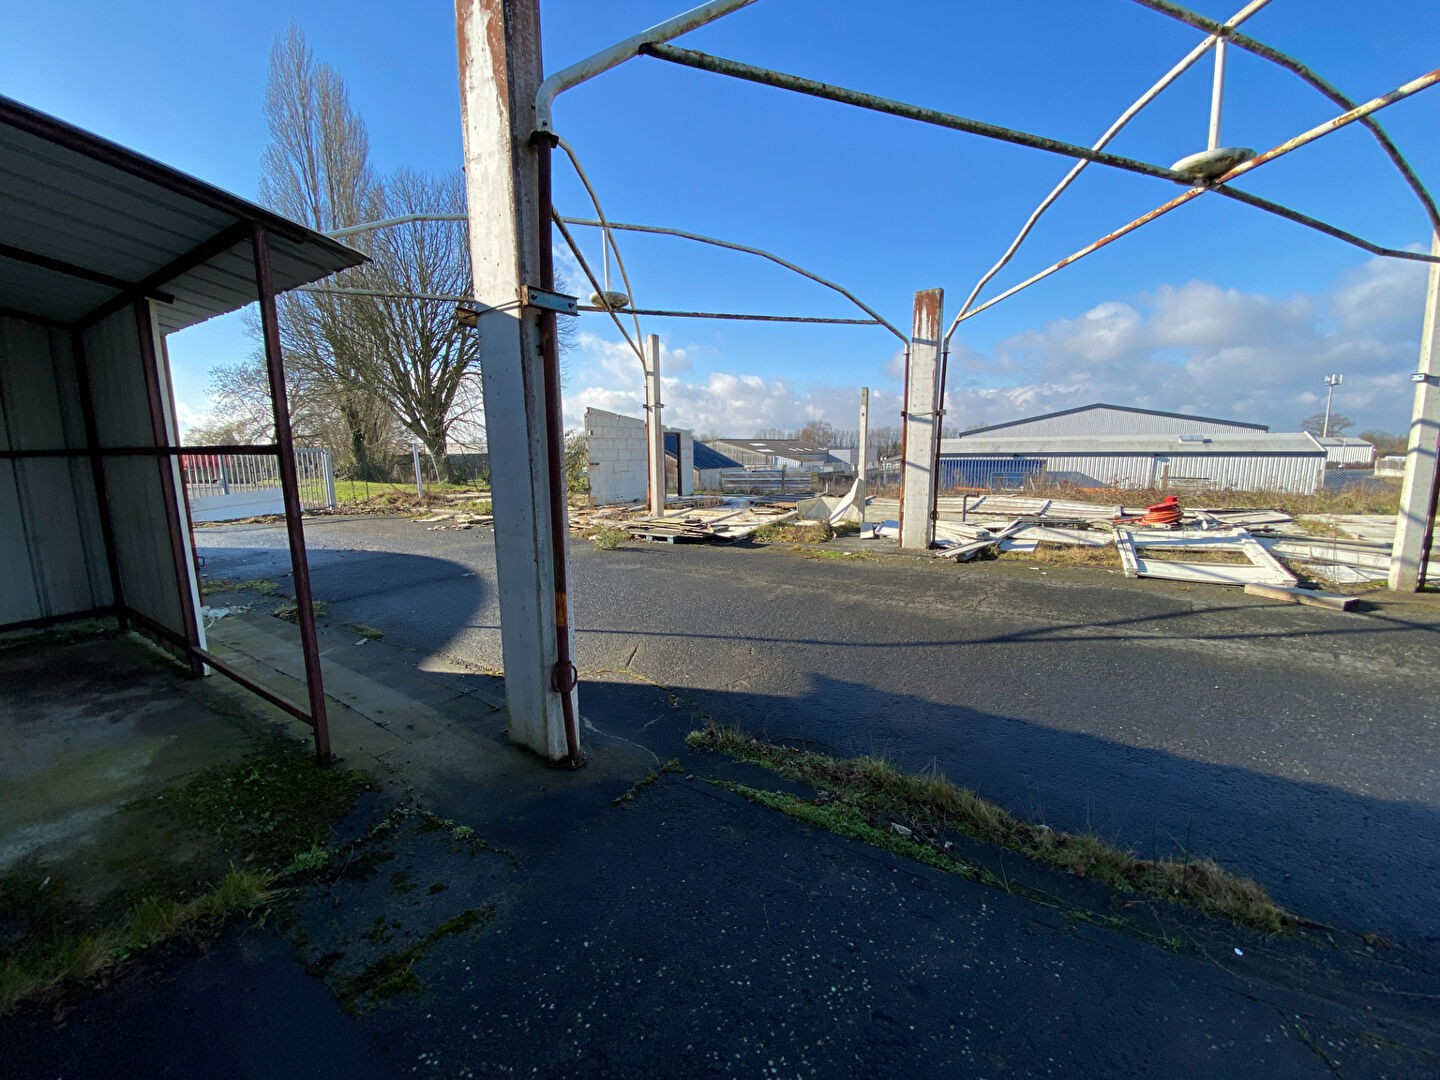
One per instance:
(88, 728)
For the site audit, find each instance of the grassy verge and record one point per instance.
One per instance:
(868, 797)
(358, 491)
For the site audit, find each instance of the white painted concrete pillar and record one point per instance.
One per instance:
(1415, 522)
(654, 426)
(860, 455)
(500, 70)
(922, 423)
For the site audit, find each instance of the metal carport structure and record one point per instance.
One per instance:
(103, 252)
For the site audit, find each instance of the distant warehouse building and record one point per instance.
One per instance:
(1112, 446)
(1345, 453)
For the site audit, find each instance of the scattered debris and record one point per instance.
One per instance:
(454, 519)
(1263, 567)
(692, 520)
(1165, 513)
(1312, 597)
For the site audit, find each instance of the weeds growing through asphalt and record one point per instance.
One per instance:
(857, 793)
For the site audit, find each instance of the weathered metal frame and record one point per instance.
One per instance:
(137, 295)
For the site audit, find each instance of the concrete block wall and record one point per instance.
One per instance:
(617, 456)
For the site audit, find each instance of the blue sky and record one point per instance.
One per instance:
(1217, 309)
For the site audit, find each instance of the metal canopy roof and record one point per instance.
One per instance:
(86, 224)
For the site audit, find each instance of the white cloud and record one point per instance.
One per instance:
(1193, 347)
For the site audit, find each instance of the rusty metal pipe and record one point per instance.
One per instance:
(564, 677)
(290, 493)
(1334, 124)
(731, 246)
(625, 50)
(1289, 63)
(1114, 129)
(738, 316)
(595, 284)
(860, 99)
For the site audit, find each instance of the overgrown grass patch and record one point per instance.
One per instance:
(870, 789)
(290, 610)
(367, 632)
(263, 586)
(394, 973)
(793, 532)
(42, 964)
(271, 808)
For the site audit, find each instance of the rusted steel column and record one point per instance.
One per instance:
(507, 190)
(924, 392)
(1415, 529)
(654, 426)
(290, 493)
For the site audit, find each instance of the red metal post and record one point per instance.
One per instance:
(290, 492)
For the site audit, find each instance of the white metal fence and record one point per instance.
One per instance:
(222, 487)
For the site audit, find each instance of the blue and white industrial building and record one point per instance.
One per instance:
(1114, 446)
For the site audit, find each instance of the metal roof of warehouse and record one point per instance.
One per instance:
(1298, 442)
(707, 457)
(1114, 408)
(87, 225)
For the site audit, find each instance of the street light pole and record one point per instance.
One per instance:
(1331, 381)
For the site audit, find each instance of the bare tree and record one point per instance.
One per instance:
(414, 355)
(885, 441)
(240, 400)
(1315, 423)
(317, 170)
(816, 433)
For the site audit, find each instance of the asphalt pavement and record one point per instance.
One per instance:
(1294, 744)
(690, 932)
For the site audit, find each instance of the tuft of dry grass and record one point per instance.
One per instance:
(793, 532)
(1067, 555)
(608, 537)
(874, 787)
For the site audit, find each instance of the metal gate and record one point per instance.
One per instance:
(224, 487)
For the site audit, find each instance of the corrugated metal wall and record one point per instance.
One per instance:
(52, 554)
(995, 474)
(136, 492)
(1236, 472)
